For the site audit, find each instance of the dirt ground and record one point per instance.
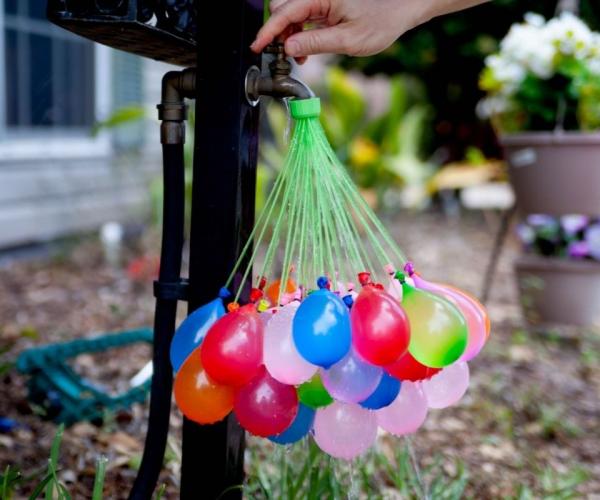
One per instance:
(531, 418)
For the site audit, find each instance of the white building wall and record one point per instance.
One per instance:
(56, 185)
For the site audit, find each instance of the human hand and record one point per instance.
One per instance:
(351, 27)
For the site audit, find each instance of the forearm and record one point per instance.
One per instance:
(353, 27)
(435, 8)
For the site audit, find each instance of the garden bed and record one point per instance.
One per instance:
(528, 423)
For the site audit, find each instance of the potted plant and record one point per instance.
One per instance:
(543, 96)
(559, 273)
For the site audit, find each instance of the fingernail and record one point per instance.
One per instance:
(253, 44)
(292, 47)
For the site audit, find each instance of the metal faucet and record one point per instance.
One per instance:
(279, 84)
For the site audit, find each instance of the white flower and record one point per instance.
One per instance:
(534, 47)
(507, 72)
(528, 46)
(594, 66)
(535, 19)
(492, 106)
(569, 34)
(595, 46)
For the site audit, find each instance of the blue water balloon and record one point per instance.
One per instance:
(299, 428)
(321, 328)
(192, 330)
(384, 395)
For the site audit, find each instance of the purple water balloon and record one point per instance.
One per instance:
(351, 379)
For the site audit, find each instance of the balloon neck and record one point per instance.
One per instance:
(400, 276)
(364, 278)
(407, 289)
(263, 305)
(323, 283)
(233, 307)
(418, 281)
(409, 269)
(247, 309)
(256, 294)
(224, 293)
(262, 283)
(348, 300)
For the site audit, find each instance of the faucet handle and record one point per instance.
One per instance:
(280, 66)
(275, 48)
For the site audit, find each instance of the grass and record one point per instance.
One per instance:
(47, 485)
(302, 471)
(553, 486)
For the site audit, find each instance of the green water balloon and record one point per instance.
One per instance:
(313, 393)
(438, 331)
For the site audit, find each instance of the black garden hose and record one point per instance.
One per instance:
(164, 323)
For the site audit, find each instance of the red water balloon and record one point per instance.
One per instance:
(264, 406)
(232, 349)
(408, 368)
(380, 328)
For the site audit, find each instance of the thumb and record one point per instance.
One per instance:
(333, 40)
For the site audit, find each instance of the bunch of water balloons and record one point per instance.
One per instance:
(332, 339)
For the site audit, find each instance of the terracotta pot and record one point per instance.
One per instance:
(555, 173)
(560, 291)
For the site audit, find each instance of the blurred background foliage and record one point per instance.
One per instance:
(382, 152)
(446, 55)
(429, 119)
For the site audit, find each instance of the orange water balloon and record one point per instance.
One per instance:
(481, 308)
(198, 397)
(274, 288)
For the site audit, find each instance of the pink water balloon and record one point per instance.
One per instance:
(352, 379)
(470, 308)
(407, 413)
(267, 315)
(282, 359)
(394, 288)
(345, 430)
(448, 386)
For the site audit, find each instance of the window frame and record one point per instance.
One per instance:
(57, 142)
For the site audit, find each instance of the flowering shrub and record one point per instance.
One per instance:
(546, 75)
(570, 236)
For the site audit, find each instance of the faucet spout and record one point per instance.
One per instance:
(279, 83)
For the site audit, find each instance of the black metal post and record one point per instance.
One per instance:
(224, 177)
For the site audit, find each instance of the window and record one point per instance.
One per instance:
(49, 72)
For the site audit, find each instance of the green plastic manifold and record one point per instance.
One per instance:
(305, 108)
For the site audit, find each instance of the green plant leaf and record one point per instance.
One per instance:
(160, 492)
(41, 486)
(122, 116)
(99, 478)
